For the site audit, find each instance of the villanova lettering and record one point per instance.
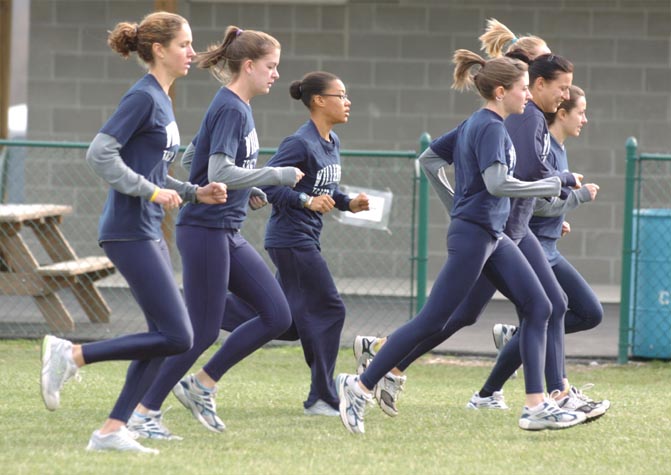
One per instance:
(172, 135)
(251, 144)
(325, 177)
(546, 147)
(172, 141)
(512, 160)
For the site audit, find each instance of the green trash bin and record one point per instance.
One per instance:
(651, 268)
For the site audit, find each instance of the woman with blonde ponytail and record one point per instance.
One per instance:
(484, 159)
(498, 40)
(132, 152)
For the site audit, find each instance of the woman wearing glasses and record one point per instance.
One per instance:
(294, 229)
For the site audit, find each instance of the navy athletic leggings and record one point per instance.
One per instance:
(472, 250)
(317, 310)
(472, 307)
(585, 312)
(147, 268)
(214, 260)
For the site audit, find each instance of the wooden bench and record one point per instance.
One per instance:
(21, 274)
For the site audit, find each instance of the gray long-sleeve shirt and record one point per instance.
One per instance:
(104, 157)
(222, 168)
(558, 207)
(496, 179)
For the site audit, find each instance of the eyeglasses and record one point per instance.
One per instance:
(343, 97)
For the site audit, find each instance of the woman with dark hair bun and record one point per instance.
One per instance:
(294, 229)
(132, 152)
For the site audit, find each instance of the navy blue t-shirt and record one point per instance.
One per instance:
(290, 224)
(227, 128)
(144, 125)
(530, 135)
(478, 142)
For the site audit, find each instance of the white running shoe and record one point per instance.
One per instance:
(200, 401)
(57, 368)
(502, 333)
(547, 415)
(387, 391)
(495, 401)
(121, 440)
(365, 348)
(321, 408)
(150, 426)
(576, 400)
(353, 401)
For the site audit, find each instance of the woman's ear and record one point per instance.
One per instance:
(157, 51)
(499, 92)
(318, 101)
(247, 66)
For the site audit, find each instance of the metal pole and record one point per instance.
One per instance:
(627, 251)
(423, 228)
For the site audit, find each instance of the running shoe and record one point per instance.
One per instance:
(57, 368)
(365, 348)
(576, 400)
(502, 333)
(200, 401)
(387, 391)
(547, 415)
(353, 401)
(495, 401)
(121, 440)
(321, 408)
(150, 426)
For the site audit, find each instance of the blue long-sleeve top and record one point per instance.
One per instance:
(290, 223)
(531, 138)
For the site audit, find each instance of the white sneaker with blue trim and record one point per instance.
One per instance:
(150, 426)
(353, 401)
(548, 415)
(200, 401)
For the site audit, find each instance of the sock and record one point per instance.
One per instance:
(201, 387)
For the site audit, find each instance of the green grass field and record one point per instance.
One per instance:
(260, 401)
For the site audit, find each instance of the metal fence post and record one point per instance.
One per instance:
(627, 251)
(423, 228)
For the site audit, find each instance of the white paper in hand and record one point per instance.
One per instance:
(377, 217)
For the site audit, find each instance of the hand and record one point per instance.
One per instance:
(256, 202)
(359, 203)
(565, 228)
(578, 180)
(593, 189)
(169, 199)
(321, 204)
(212, 194)
(299, 176)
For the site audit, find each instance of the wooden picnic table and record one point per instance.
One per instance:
(22, 274)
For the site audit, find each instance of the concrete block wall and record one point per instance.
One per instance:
(394, 56)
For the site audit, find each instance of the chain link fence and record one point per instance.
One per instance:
(645, 323)
(54, 278)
